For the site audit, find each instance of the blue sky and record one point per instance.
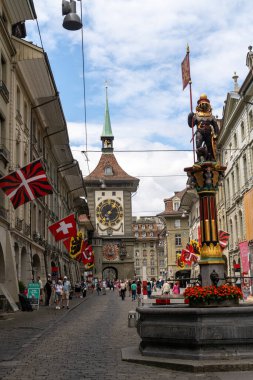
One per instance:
(137, 46)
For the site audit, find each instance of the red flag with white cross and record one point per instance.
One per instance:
(64, 228)
(26, 184)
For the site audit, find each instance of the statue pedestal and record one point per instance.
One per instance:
(206, 270)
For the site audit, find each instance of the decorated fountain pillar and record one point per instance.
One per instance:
(205, 178)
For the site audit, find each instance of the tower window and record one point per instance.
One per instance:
(108, 170)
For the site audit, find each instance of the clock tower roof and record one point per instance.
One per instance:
(109, 171)
(107, 135)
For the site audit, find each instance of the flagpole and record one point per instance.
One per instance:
(191, 106)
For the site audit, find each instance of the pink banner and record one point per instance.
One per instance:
(244, 253)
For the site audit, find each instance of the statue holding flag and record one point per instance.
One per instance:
(207, 130)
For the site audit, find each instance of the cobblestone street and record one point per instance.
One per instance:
(82, 343)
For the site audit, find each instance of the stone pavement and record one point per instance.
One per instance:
(84, 342)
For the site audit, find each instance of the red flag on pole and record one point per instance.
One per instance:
(64, 228)
(185, 65)
(26, 184)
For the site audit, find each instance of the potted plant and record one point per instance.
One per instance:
(224, 295)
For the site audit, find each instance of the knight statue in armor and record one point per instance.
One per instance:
(207, 130)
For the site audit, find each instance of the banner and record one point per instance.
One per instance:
(185, 66)
(244, 254)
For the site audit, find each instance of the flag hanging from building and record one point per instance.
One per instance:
(223, 239)
(88, 255)
(185, 66)
(26, 184)
(65, 228)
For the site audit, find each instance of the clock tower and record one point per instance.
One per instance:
(109, 195)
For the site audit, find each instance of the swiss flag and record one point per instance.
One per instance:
(64, 228)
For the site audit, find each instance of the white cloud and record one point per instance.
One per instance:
(138, 47)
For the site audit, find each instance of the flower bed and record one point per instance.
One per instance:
(207, 295)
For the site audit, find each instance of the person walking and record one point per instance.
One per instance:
(166, 288)
(133, 290)
(149, 289)
(98, 289)
(48, 290)
(123, 290)
(66, 288)
(138, 291)
(58, 293)
(176, 288)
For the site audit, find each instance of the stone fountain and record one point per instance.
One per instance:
(198, 338)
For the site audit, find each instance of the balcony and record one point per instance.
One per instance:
(4, 91)
(27, 228)
(19, 224)
(4, 154)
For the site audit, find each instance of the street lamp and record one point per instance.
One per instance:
(71, 20)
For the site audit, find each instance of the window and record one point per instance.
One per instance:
(176, 205)
(108, 170)
(152, 271)
(137, 262)
(143, 227)
(177, 223)
(2, 131)
(230, 149)
(137, 253)
(150, 226)
(137, 271)
(161, 263)
(114, 193)
(136, 234)
(136, 227)
(144, 234)
(152, 262)
(151, 245)
(144, 253)
(251, 120)
(235, 141)
(242, 131)
(144, 245)
(144, 262)
(18, 100)
(178, 240)
(245, 170)
(151, 234)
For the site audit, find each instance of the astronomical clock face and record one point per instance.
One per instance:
(110, 251)
(109, 212)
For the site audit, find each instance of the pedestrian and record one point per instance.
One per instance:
(176, 288)
(58, 294)
(149, 289)
(166, 288)
(66, 288)
(41, 289)
(129, 283)
(123, 289)
(98, 289)
(84, 288)
(133, 290)
(48, 290)
(138, 291)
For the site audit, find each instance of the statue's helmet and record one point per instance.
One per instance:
(203, 104)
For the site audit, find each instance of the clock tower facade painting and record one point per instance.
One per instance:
(109, 196)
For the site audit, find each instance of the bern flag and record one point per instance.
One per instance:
(64, 228)
(185, 66)
(26, 184)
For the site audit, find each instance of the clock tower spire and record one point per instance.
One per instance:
(107, 136)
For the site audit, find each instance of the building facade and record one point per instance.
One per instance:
(176, 234)
(149, 247)
(32, 126)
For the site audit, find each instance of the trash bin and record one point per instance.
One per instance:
(132, 318)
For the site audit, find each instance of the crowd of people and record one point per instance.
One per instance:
(58, 292)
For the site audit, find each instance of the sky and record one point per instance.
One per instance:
(137, 47)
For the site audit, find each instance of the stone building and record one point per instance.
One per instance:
(177, 234)
(149, 247)
(32, 126)
(109, 190)
(235, 199)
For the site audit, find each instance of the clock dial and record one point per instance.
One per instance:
(111, 251)
(109, 212)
